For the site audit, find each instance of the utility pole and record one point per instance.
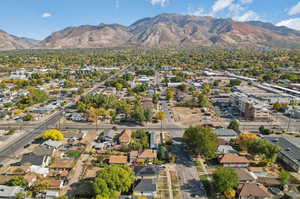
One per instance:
(290, 116)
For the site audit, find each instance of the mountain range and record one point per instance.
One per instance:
(165, 30)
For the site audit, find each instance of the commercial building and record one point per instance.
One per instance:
(250, 108)
(290, 150)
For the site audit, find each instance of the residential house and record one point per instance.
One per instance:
(117, 159)
(245, 176)
(125, 137)
(72, 135)
(54, 184)
(108, 135)
(37, 160)
(146, 172)
(226, 134)
(9, 192)
(52, 143)
(145, 187)
(39, 170)
(63, 165)
(147, 154)
(290, 150)
(233, 161)
(223, 149)
(44, 150)
(253, 191)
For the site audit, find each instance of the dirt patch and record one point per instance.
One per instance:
(195, 116)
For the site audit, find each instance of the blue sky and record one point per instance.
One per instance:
(39, 18)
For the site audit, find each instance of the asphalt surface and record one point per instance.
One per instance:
(187, 172)
(19, 144)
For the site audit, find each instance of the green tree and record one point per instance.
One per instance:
(235, 82)
(148, 114)
(234, 125)
(203, 101)
(170, 94)
(119, 86)
(18, 181)
(263, 148)
(20, 195)
(206, 89)
(284, 177)
(225, 179)
(201, 141)
(138, 114)
(112, 181)
(155, 98)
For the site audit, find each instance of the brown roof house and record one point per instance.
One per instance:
(125, 137)
(233, 161)
(63, 165)
(54, 184)
(253, 191)
(245, 175)
(148, 154)
(118, 159)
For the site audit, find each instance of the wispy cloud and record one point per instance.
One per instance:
(295, 9)
(196, 12)
(220, 5)
(293, 23)
(250, 15)
(46, 15)
(158, 2)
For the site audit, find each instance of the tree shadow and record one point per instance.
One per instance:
(183, 157)
(194, 186)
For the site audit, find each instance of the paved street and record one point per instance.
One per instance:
(11, 150)
(187, 171)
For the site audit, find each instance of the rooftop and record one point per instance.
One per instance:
(118, 159)
(290, 147)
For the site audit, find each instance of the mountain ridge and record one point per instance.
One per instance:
(165, 30)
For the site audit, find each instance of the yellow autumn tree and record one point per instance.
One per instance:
(230, 193)
(52, 134)
(244, 139)
(161, 116)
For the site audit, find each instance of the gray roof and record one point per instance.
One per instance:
(145, 185)
(109, 133)
(290, 147)
(34, 159)
(146, 170)
(225, 132)
(9, 191)
(226, 149)
(52, 143)
(43, 150)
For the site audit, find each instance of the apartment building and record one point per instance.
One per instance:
(250, 108)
